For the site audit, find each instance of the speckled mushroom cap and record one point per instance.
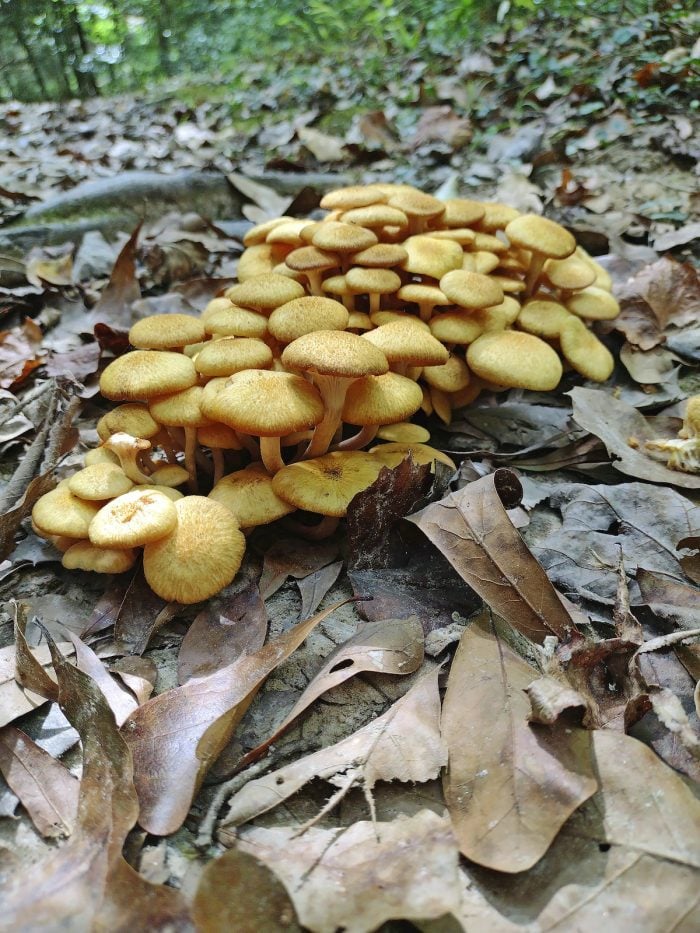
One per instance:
(236, 322)
(133, 519)
(166, 331)
(326, 485)
(404, 432)
(311, 259)
(230, 355)
(381, 400)
(266, 404)
(471, 289)
(219, 436)
(461, 212)
(181, 409)
(265, 292)
(417, 204)
(304, 315)
(99, 482)
(86, 556)
(380, 256)
(132, 418)
(570, 273)
(594, 304)
(145, 374)
(403, 342)
(288, 233)
(214, 306)
(496, 216)
(199, 557)
(259, 232)
(392, 454)
(543, 318)
(60, 512)
(513, 358)
(337, 237)
(352, 196)
(456, 327)
(465, 236)
(541, 235)
(378, 318)
(376, 215)
(430, 256)
(335, 353)
(363, 281)
(584, 352)
(256, 260)
(249, 495)
(450, 377)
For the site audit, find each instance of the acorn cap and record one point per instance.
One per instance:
(471, 289)
(85, 556)
(199, 557)
(430, 256)
(456, 327)
(165, 331)
(249, 495)
(543, 318)
(393, 454)
(99, 482)
(380, 256)
(236, 322)
(461, 212)
(404, 432)
(264, 292)
(450, 377)
(144, 374)
(60, 512)
(584, 352)
(594, 304)
(381, 400)
(230, 355)
(403, 342)
(334, 353)
(326, 485)
(337, 237)
(181, 409)
(133, 519)
(352, 196)
(304, 315)
(132, 418)
(513, 358)
(541, 235)
(266, 404)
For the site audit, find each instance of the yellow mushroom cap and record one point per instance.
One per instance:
(259, 232)
(594, 304)
(100, 455)
(168, 476)
(214, 306)
(218, 436)
(163, 331)
(456, 327)
(132, 418)
(257, 260)
(392, 454)
(381, 400)
(471, 289)
(375, 215)
(569, 273)
(543, 318)
(181, 409)
(582, 350)
(415, 203)
(60, 512)
(144, 374)
(288, 233)
(131, 520)
(541, 235)
(380, 256)
(304, 315)
(167, 491)
(450, 377)
(335, 353)
(311, 259)
(691, 419)
(404, 432)
(430, 256)
(99, 482)
(404, 342)
(424, 295)
(199, 557)
(249, 495)
(362, 281)
(264, 292)
(230, 355)
(516, 359)
(85, 556)
(337, 237)
(496, 216)
(461, 212)
(352, 196)
(326, 484)
(236, 322)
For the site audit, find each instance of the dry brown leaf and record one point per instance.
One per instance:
(114, 305)
(20, 352)
(358, 877)
(669, 599)
(176, 736)
(45, 787)
(510, 785)
(121, 701)
(43, 268)
(323, 147)
(442, 124)
(141, 614)
(314, 588)
(472, 529)
(290, 557)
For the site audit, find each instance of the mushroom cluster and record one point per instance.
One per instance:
(336, 333)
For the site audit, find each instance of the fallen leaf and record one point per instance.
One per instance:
(290, 557)
(121, 701)
(323, 147)
(78, 363)
(45, 269)
(20, 353)
(679, 237)
(265, 197)
(669, 599)
(314, 588)
(113, 307)
(375, 865)
(510, 785)
(441, 124)
(141, 614)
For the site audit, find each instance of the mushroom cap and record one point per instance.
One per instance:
(513, 358)
(219, 436)
(393, 454)
(249, 495)
(265, 403)
(415, 203)
(465, 236)
(430, 256)
(352, 196)
(336, 285)
(214, 306)
(482, 261)
(418, 293)
(230, 355)
(311, 259)
(259, 232)
(334, 353)
(100, 455)
(60, 512)
(404, 342)
(131, 520)
(359, 320)
(582, 350)
(389, 317)
(163, 331)
(132, 418)
(169, 476)
(510, 307)
(570, 273)
(181, 409)
(167, 491)
(380, 256)
(461, 212)
(541, 235)
(496, 216)
(594, 304)
(199, 557)
(144, 374)
(471, 289)
(99, 482)
(456, 327)
(85, 556)
(264, 292)
(691, 419)
(288, 233)
(304, 315)
(362, 280)
(543, 318)
(337, 237)
(256, 260)
(236, 322)
(375, 215)
(450, 377)
(326, 485)
(404, 432)
(381, 400)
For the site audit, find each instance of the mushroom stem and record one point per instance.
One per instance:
(217, 459)
(324, 529)
(128, 449)
(315, 278)
(250, 444)
(537, 261)
(359, 440)
(271, 454)
(190, 457)
(333, 390)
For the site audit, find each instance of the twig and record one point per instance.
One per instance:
(206, 827)
(32, 396)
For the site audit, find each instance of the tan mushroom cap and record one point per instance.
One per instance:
(85, 556)
(230, 355)
(259, 232)
(145, 374)
(450, 377)
(691, 419)
(541, 235)
(381, 400)
(388, 317)
(165, 331)
(257, 260)
(415, 203)
(288, 233)
(471, 289)
(496, 216)
(304, 315)
(403, 342)
(380, 256)
(465, 236)
(352, 196)
(582, 350)
(337, 285)
(430, 256)
(214, 306)
(570, 273)
(181, 409)
(483, 261)
(219, 436)
(543, 318)
(168, 491)
(199, 557)
(461, 212)
(311, 259)
(376, 215)
(266, 404)
(264, 292)
(60, 512)
(404, 432)
(100, 455)
(516, 359)
(236, 322)
(133, 519)
(99, 482)
(362, 281)
(423, 295)
(169, 476)
(326, 485)
(249, 495)
(132, 418)
(510, 307)
(335, 353)
(338, 237)
(393, 454)
(594, 304)
(456, 327)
